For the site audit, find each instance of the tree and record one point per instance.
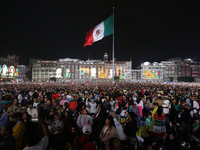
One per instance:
(171, 79)
(116, 77)
(53, 79)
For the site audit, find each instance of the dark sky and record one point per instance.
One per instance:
(144, 30)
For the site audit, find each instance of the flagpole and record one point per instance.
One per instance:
(113, 79)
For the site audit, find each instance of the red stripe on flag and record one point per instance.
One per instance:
(89, 37)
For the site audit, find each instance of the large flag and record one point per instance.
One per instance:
(116, 106)
(102, 30)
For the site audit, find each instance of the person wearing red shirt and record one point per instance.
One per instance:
(55, 95)
(72, 104)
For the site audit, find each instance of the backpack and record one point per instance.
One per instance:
(79, 147)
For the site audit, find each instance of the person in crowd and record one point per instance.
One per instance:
(112, 101)
(124, 113)
(35, 94)
(121, 98)
(173, 111)
(68, 121)
(148, 120)
(159, 128)
(159, 100)
(23, 110)
(72, 136)
(92, 109)
(117, 109)
(119, 131)
(95, 96)
(130, 129)
(108, 132)
(140, 106)
(58, 139)
(143, 129)
(171, 142)
(194, 107)
(20, 97)
(99, 120)
(150, 106)
(48, 106)
(186, 124)
(83, 119)
(18, 130)
(69, 96)
(3, 118)
(7, 142)
(33, 112)
(73, 103)
(152, 116)
(134, 109)
(15, 108)
(106, 104)
(55, 96)
(35, 103)
(33, 143)
(85, 141)
(63, 101)
(41, 112)
(57, 123)
(166, 106)
(88, 99)
(114, 144)
(49, 120)
(98, 101)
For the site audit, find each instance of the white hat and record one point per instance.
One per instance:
(87, 129)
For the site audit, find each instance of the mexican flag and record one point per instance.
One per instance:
(102, 30)
(116, 106)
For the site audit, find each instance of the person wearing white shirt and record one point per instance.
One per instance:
(140, 105)
(33, 112)
(31, 94)
(92, 107)
(20, 97)
(134, 99)
(35, 103)
(69, 96)
(166, 106)
(195, 105)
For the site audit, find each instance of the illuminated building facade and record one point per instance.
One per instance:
(22, 71)
(66, 69)
(154, 71)
(8, 67)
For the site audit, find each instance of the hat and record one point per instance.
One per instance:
(23, 108)
(87, 129)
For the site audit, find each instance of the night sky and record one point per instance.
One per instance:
(144, 30)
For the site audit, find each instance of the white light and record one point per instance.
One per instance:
(59, 73)
(146, 63)
(4, 70)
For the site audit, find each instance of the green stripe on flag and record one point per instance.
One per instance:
(108, 26)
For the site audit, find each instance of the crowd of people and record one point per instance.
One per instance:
(98, 116)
